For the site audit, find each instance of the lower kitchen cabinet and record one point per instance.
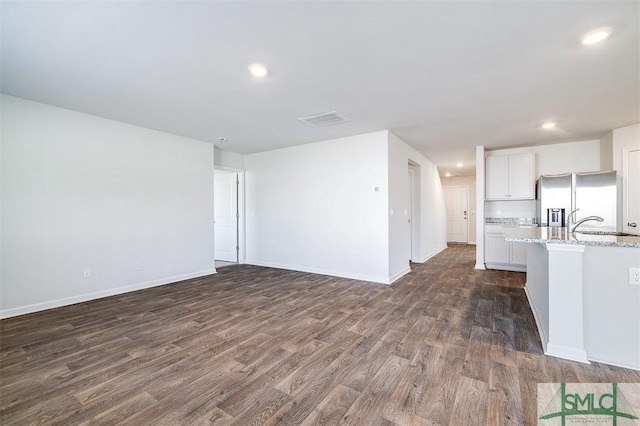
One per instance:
(501, 254)
(518, 254)
(496, 249)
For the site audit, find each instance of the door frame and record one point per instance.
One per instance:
(240, 199)
(624, 214)
(411, 244)
(466, 187)
(415, 206)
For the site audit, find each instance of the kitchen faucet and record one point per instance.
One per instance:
(581, 221)
(586, 219)
(571, 216)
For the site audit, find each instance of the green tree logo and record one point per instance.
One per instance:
(564, 404)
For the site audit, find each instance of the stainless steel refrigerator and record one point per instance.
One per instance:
(594, 194)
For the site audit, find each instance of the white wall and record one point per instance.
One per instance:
(228, 160)
(470, 182)
(537, 288)
(624, 138)
(560, 158)
(433, 219)
(606, 152)
(313, 207)
(80, 191)
(611, 314)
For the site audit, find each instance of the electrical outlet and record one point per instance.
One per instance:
(137, 266)
(634, 276)
(86, 272)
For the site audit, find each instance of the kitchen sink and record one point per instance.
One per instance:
(614, 233)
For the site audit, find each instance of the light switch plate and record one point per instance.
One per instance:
(634, 276)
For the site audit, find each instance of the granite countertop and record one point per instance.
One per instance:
(511, 221)
(562, 236)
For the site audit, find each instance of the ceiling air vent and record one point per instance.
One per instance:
(325, 119)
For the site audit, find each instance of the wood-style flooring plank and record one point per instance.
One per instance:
(332, 407)
(504, 405)
(470, 407)
(367, 406)
(310, 395)
(439, 398)
(503, 347)
(405, 400)
(296, 378)
(362, 373)
(530, 373)
(476, 363)
(408, 347)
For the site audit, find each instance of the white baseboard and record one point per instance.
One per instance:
(321, 271)
(566, 352)
(399, 275)
(36, 307)
(536, 317)
(507, 267)
(616, 363)
(430, 255)
(562, 352)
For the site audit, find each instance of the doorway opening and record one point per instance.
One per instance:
(227, 217)
(414, 212)
(631, 175)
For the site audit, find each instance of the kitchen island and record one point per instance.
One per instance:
(578, 289)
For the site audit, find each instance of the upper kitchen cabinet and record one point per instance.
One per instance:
(510, 177)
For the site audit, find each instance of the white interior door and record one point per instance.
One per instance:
(457, 203)
(633, 192)
(225, 192)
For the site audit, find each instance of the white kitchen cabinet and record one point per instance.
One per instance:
(510, 177)
(497, 249)
(496, 177)
(518, 254)
(501, 254)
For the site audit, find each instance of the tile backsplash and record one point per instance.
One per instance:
(521, 208)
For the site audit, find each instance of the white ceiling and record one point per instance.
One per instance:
(443, 76)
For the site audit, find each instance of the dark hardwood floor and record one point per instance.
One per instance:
(447, 344)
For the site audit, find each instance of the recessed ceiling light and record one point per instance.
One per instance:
(447, 174)
(596, 35)
(549, 125)
(459, 164)
(258, 70)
